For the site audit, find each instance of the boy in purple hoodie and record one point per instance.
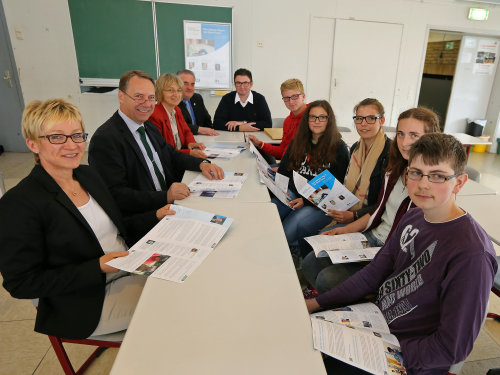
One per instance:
(435, 273)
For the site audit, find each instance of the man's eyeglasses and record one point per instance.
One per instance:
(435, 178)
(369, 119)
(173, 91)
(321, 118)
(59, 139)
(244, 84)
(292, 97)
(140, 99)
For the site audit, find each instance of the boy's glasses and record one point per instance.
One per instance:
(320, 118)
(292, 97)
(435, 178)
(59, 139)
(369, 119)
(244, 84)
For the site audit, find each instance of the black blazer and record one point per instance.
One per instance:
(49, 251)
(119, 160)
(200, 113)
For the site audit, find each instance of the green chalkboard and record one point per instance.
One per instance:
(170, 25)
(112, 37)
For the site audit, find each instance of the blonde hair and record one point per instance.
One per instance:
(165, 81)
(40, 116)
(292, 84)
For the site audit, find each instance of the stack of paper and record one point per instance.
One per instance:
(228, 187)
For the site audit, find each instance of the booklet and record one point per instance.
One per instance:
(275, 182)
(359, 336)
(223, 151)
(325, 192)
(342, 248)
(176, 246)
(228, 187)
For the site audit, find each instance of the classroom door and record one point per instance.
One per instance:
(365, 65)
(11, 103)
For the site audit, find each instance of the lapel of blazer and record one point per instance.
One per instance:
(52, 187)
(102, 196)
(129, 138)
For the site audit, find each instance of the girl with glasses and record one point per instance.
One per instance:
(317, 146)
(392, 204)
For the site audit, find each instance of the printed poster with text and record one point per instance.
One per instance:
(207, 51)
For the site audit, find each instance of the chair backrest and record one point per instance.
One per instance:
(344, 129)
(389, 129)
(278, 122)
(473, 173)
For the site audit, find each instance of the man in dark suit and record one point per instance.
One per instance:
(140, 168)
(192, 106)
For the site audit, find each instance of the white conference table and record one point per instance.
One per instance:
(252, 190)
(484, 209)
(224, 136)
(241, 312)
(471, 187)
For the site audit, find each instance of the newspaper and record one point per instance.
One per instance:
(228, 187)
(359, 336)
(176, 246)
(223, 151)
(275, 182)
(343, 248)
(325, 192)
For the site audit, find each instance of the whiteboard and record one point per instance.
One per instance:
(207, 52)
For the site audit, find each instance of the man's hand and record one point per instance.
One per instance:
(312, 305)
(164, 211)
(198, 154)
(196, 146)
(341, 216)
(254, 140)
(296, 204)
(107, 257)
(177, 191)
(212, 171)
(207, 131)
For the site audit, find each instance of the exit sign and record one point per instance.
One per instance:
(478, 14)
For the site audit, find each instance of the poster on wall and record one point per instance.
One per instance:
(207, 52)
(487, 51)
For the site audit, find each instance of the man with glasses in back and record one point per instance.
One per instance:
(242, 110)
(192, 106)
(140, 168)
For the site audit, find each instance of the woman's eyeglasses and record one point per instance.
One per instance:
(58, 139)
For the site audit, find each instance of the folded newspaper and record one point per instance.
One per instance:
(359, 336)
(275, 182)
(325, 192)
(228, 187)
(176, 246)
(223, 151)
(342, 248)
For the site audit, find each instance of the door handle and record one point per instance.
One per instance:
(7, 77)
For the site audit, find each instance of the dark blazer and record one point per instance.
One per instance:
(49, 251)
(119, 160)
(201, 114)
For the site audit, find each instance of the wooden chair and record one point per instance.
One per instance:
(113, 340)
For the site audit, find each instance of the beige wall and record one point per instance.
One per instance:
(46, 60)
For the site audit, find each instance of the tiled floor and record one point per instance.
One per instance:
(22, 351)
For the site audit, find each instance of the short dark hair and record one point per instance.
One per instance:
(185, 71)
(438, 147)
(125, 79)
(243, 72)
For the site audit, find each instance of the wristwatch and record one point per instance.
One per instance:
(206, 161)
